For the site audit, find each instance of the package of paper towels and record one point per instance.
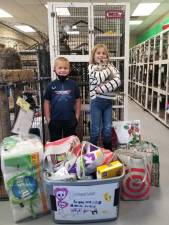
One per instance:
(21, 164)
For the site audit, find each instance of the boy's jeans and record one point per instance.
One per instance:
(101, 117)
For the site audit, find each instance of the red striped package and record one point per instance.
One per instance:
(137, 180)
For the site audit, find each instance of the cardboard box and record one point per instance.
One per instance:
(111, 170)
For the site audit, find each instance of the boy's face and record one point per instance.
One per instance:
(100, 55)
(62, 68)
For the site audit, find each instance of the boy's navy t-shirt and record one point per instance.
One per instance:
(62, 96)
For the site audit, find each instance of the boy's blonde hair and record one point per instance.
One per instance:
(92, 61)
(61, 59)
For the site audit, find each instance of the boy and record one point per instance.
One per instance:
(62, 102)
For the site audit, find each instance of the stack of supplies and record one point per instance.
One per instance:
(21, 160)
(75, 193)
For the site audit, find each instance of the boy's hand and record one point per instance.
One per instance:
(77, 118)
(48, 120)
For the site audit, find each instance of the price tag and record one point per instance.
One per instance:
(23, 104)
(23, 122)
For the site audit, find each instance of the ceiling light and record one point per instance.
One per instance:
(62, 12)
(25, 28)
(145, 9)
(135, 22)
(73, 32)
(3, 13)
(74, 27)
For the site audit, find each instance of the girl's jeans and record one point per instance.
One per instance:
(101, 117)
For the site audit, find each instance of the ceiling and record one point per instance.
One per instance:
(34, 13)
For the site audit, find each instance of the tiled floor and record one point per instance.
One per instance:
(154, 211)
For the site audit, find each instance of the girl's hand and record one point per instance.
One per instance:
(104, 61)
(98, 90)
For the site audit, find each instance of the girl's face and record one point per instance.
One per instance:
(100, 55)
(62, 68)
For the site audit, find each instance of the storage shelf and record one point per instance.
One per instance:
(149, 76)
(153, 114)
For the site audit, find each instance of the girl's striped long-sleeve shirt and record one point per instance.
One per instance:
(105, 78)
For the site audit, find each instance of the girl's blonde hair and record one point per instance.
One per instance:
(92, 61)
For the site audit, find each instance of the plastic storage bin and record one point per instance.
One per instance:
(84, 201)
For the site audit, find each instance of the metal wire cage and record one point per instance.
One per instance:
(80, 75)
(74, 31)
(4, 131)
(109, 28)
(12, 86)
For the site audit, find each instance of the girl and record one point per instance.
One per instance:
(104, 79)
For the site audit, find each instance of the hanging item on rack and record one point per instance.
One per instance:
(10, 59)
(24, 118)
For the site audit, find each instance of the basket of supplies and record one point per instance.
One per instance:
(85, 200)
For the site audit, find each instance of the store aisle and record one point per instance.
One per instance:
(154, 211)
(150, 212)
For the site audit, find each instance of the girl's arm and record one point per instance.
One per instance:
(110, 85)
(98, 74)
(47, 111)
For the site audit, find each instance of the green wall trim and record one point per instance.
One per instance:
(152, 31)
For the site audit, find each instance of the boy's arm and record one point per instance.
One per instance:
(77, 108)
(47, 110)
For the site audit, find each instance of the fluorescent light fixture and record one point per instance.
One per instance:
(135, 22)
(73, 32)
(145, 9)
(25, 28)
(62, 12)
(3, 13)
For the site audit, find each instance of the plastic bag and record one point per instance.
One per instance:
(137, 181)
